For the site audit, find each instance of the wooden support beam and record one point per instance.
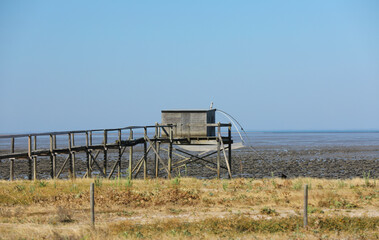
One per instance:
(170, 152)
(156, 153)
(90, 156)
(30, 157)
(202, 158)
(64, 164)
(230, 147)
(12, 145)
(130, 154)
(70, 155)
(105, 140)
(11, 168)
(94, 162)
(73, 156)
(145, 154)
(157, 147)
(119, 154)
(35, 159)
(226, 159)
(87, 156)
(218, 151)
(52, 155)
(139, 164)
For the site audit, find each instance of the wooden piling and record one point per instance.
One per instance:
(145, 154)
(54, 156)
(90, 156)
(157, 146)
(70, 155)
(119, 154)
(35, 159)
(51, 157)
(30, 157)
(171, 133)
(11, 167)
(73, 156)
(105, 140)
(87, 156)
(130, 155)
(218, 150)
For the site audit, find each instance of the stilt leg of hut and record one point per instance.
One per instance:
(230, 148)
(226, 158)
(170, 154)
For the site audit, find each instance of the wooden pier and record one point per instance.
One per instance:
(155, 140)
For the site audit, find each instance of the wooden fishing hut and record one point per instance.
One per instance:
(196, 131)
(182, 133)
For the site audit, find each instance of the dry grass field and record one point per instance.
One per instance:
(190, 208)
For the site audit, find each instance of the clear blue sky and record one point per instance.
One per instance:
(273, 65)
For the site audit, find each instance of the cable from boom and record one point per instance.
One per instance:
(231, 118)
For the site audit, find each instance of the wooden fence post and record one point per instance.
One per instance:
(305, 205)
(92, 203)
